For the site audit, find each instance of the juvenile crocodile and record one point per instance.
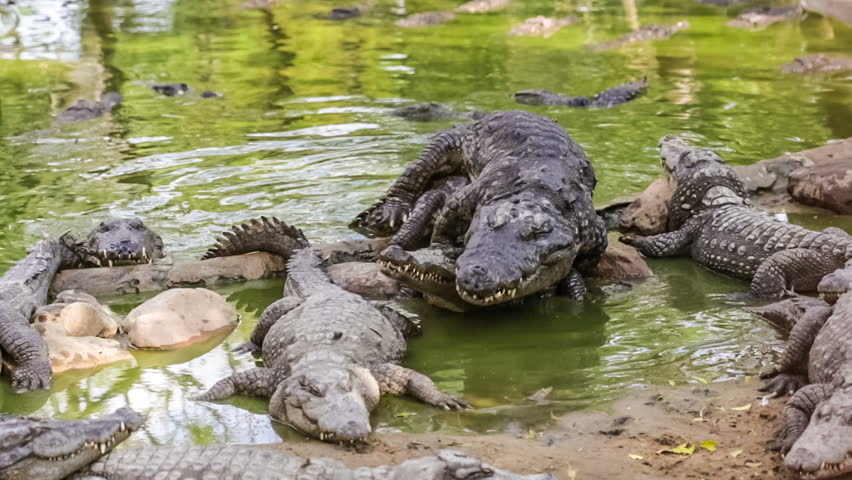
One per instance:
(430, 112)
(608, 98)
(530, 194)
(818, 417)
(328, 354)
(87, 109)
(33, 448)
(712, 220)
(24, 287)
(646, 33)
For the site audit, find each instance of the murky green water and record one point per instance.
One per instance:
(301, 133)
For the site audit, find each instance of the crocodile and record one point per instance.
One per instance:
(544, 215)
(818, 416)
(817, 62)
(608, 98)
(328, 354)
(712, 220)
(87, 109)
(431, 111)
(760, 18)
(646, 33)
(233, 462)
(24, 287)
(54, 449)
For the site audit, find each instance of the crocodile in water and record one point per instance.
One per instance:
(610, 97)
(644, 34)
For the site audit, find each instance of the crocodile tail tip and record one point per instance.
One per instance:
(263, 234)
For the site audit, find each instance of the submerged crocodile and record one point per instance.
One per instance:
(760, 18)
(328, 354)
(87, 109)
(818, 417)
(33, 448)
(817, 62)
(431, 111)
(644, 34)
(712, 220)
(24, 287)
(608, 98)
(530, 194)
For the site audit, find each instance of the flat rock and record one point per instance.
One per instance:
(73, 353)
(622, 262)
(425, 19)
(479, 6)
(541, 26)
(363, 278)
(839, 9)
(178, 318)
(649, 213)
(826, 185)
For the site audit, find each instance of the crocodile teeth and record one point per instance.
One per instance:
(122, 427)
(102, 447)
(144, 253)
(110, 263)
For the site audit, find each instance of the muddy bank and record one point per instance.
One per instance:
(634, 439)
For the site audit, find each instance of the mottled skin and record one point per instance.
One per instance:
(818, 417)
(87, 109)
(644, 34)
(430, 111)
(328, 354)
(247, 462)
(33, 448)
(610, 97)
(711, 220)
(24, 287)
(530, 193)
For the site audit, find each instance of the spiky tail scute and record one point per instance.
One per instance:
(259, 235)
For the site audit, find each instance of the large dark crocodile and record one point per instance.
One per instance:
(530, 193)
(328, 354)
(24, 287)
(610, 97)
(712, 220)
(33, 448)
(818, 417)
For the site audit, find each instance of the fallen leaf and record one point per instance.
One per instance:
(572, 473)
(635, 457)
(405, 414)
(753, 464)
(702, 380)
(552, 416)
(672, 383)
(709, 445)
(682, 449)
(736, 453)
(743, 408)
(699, 419)
(532, 434)
(747, 379)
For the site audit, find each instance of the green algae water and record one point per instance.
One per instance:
(301, 132)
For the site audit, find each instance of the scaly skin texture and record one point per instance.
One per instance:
(644, 34)
(328, 354)
(87, 109)
(818, 417)
(25, 286)
(249, 462)
(33, 448)
(530, 193)
(610, 97)
(711, 219)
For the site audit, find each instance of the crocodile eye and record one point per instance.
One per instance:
(102, 227)
(823, 412)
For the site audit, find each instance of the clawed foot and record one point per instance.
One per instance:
(782, 383)
(629, 239)
(248, 347)
(448, 402)
(26, 378)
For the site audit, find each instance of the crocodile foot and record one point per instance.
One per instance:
(782, 383)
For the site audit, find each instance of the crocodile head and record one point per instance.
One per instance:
(53, 449)
(701, 178)
(836, 283)
(329, 402)
(514, 248)
(825, 448)
(122, 241)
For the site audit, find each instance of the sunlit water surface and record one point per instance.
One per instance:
(302, 133)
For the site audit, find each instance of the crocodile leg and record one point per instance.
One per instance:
(405, 322)
(270, 315)
(255, 382)
(573, 286)
(792, 373)
(798, 411)
(666, 244)
(797, 268)
(418, 228)
(27, 350)
(454, 219)
(395, 379)
(442, 156)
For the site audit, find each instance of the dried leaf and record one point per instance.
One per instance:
(684, 449)
(635, 457)
(743, 408)
(532, 434)
(709, 445)
(753, 464)
(405, 414)
(702, 380)
(699, 419)
(736, 453)
(672, 383)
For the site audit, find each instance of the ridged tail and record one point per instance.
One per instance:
(258, 235)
